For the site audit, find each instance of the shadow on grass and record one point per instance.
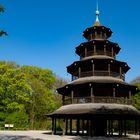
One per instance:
(14, 137)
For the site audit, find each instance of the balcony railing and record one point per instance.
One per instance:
(102, 73)
(92, 53)
(97, 99)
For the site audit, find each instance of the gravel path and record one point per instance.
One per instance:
(44, 135)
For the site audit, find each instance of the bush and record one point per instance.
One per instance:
(18, 119)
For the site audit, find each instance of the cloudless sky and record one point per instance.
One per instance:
(45, 33)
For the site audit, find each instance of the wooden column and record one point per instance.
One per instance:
(66, 126)
(93, 69)
(120, 72)
(105, 49)
(96, 34)
(87, 126)
(92, 94)
(70, 126)
(91, 128)
(78, 126)
(83, 126)
(112, 52)
(124, 127)
(91, 36)
(109, 69)
(53, 126)
(112, 127)
(72, 97)
(139, 128)
(85, 52)
(114, 92)
(136, 130)
(79, 72)
(94, 49)
(109, 127)
(120, 128)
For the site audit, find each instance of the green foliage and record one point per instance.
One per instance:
(136, 82)
(14, 91)
(27, 89)
(3, 115)
(19, 119)
(42, 98)
(1, 8)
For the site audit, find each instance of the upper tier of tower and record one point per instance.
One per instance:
(97, 31)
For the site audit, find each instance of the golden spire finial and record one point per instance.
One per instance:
(97, 22)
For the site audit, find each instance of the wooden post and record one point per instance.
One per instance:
(120, 72)
(70, 126)
(83, 126)
(94, 49)
(112, 127)
(114, 92)
(109, 127)
(96, 34)
(125, 127)
(121, 128)
(66, 126)
(104, 49)
(139, 128)
(78, 126)
(93, 69)
(72, 97)
(52, 125)
(63, 126)
(91, 128)
(85, 52)
(79, 72)
(135, 127)
(88, 127)
(109, 69)
(112, 52)
(92, 95)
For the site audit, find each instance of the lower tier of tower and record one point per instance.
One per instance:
(95, 119)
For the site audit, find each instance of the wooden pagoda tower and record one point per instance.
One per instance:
(98, 96)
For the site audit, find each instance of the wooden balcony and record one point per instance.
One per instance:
(92, 53)
(101, 73)
(97, 99)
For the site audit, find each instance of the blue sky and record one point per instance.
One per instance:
(45, 33)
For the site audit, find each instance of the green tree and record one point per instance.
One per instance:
(136, 82)
(18, 118)
(42, 98)
(30, 91)
(2, 9)
(14, 92)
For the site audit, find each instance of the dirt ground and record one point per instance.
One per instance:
(46, 135)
